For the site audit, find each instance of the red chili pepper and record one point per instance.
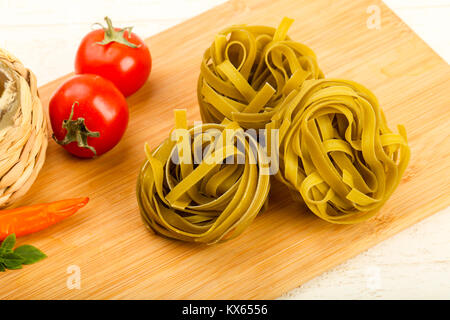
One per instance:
(26, 220)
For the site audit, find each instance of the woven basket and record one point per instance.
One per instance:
(23, 131)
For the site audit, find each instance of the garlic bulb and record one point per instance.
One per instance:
(9, 97)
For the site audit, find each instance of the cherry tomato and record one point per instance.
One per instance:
(88, 114)
(118, 55)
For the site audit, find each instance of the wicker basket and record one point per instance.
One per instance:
(23, 135)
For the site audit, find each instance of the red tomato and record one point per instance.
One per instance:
(99, 119)
(117, 55)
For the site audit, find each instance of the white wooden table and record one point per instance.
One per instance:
(411, 265)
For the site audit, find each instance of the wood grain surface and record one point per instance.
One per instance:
(286, 245)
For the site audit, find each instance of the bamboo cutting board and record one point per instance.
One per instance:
(286, 245)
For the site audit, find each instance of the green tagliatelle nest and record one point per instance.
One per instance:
(248, 72)
(337, 151)
(212, 192)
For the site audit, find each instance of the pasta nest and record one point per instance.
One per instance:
(203, 184)
(248, 72)
(337, 151)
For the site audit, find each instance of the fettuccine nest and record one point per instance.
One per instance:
(204, 184)
(337, 151)
(23, 129)
(248, 72)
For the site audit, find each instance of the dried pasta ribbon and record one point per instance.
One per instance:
(248, 72)
(337, 151)
(204, 184)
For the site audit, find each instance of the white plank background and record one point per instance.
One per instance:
(415, 264)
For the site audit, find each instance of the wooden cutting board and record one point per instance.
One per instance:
(286, 245)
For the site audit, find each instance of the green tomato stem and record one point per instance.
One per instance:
(77, 132)
(113, 35)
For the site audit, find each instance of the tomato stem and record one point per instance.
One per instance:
(113, 35)
(77, 132)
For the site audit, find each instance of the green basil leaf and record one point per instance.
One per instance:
(2, 267)
(9, 242)
(12, 261)
(13, 267)
(29, 254)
